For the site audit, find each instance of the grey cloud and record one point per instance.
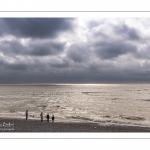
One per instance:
(108, 50)
(124, 31)
(11, 47)
(45, 49)
(130, 33)
(34, 27)
(120, 40)
(6, 67)
(78, 52)
(1, 63)
(143, 53)
(16, 66)
(64, 64)
(93, 23)
(94, 61)
(34, 48)
(97, 73)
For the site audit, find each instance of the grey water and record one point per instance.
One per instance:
(102, 103)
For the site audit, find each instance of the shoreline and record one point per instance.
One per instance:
(20, 125)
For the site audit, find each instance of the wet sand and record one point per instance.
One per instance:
(20, 125)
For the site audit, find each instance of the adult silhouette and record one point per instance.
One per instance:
(26, 115)
(41, 116)
(47, 117)
(53, 118)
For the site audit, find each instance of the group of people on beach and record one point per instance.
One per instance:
(41, 115)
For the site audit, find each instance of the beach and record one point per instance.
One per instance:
(20, 125)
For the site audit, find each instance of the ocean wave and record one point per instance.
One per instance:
(114, 98)
(144, 99)
(42, 106)
(93, 93)
(132, 118)
(79, 117)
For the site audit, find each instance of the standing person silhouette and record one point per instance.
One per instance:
(53, 118)
(41, 116)
(26, 115)
(47, 117)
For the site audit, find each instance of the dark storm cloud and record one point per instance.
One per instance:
(45, 49)
(130, 32)
(34, 27)
(16, 66)
(109, 41)
(13, 66)
(11, 47)
(34, 48)
(108, 50)
(1, 63)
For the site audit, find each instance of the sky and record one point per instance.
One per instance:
(74, 50)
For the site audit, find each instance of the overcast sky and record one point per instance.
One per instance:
(74, 50)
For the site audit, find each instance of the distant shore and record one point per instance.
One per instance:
(20, 125)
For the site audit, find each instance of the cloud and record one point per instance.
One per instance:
(110, 50)
(16, 66)
(129, 32)
(60, 63)
(43, 50)
(78, 52)
(94, 23)
(33, 48)
(34, 27)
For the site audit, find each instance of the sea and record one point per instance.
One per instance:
(123, 104)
